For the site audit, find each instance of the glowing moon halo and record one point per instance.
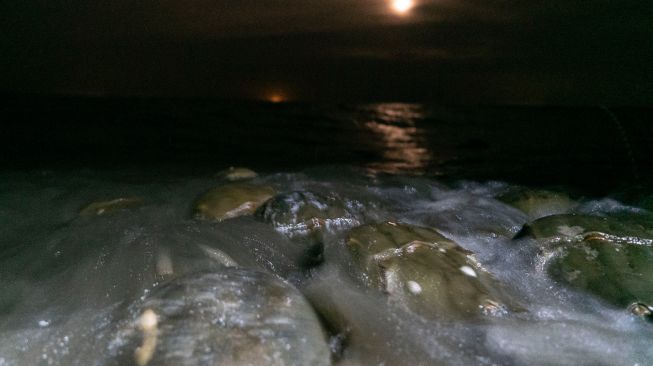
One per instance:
(402, 6)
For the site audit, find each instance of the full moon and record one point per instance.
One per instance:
(402, 6)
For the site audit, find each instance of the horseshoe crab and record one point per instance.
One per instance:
(424, 271)
(232, 200)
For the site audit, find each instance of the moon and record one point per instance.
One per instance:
(402, 6)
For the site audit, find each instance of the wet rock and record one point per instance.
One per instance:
(538, 203)
(231, 317)
(236, 173)
(232, 200)
(105, 207)
(424, 271)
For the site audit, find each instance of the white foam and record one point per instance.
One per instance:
(87, 266)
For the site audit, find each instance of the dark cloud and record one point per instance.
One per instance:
(468, 51)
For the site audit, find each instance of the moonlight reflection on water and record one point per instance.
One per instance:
(93, 253)
(401, 141)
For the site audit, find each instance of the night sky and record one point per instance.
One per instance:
(449, 51)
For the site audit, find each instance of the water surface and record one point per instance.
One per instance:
(74, 286)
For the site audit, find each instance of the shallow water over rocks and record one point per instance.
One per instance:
(77, 289)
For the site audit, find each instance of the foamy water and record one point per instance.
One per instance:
(74, 287)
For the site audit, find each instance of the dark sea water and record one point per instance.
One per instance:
(595, 149)
(77, 288)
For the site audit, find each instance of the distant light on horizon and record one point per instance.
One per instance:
(402, 6)
(276, 98)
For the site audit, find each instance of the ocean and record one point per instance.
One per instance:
(101, 222)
